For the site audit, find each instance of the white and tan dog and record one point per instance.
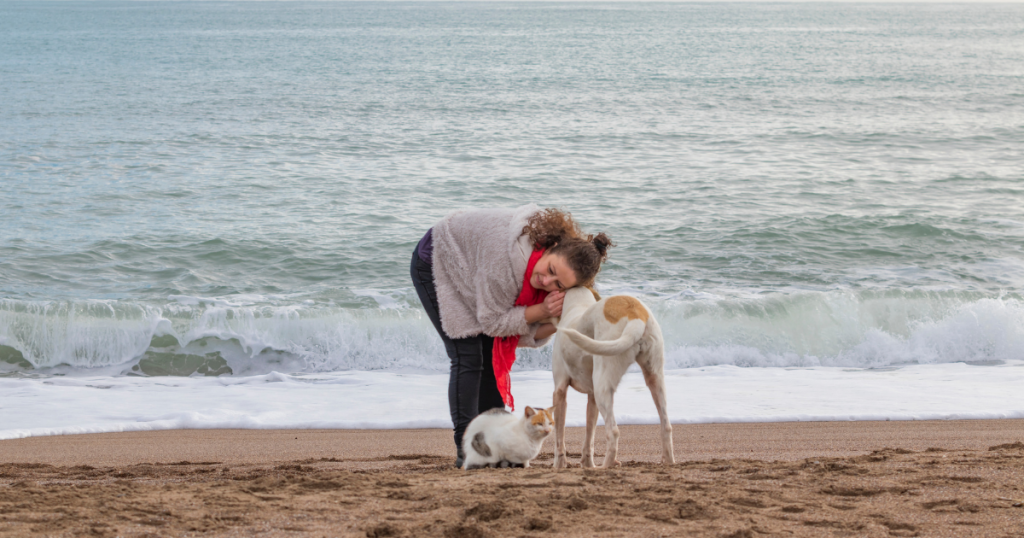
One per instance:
(597, 341)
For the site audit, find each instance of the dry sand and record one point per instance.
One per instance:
(935, 478)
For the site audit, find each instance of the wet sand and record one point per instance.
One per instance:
(928, 478)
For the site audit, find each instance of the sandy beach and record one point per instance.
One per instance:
(927, 478)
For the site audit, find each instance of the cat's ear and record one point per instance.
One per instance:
(530, 412)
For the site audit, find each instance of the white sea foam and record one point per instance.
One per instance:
(378, 400)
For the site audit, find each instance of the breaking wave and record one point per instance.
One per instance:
(194, 336)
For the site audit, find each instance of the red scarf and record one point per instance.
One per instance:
(504, 350)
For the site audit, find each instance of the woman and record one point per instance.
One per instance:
(488, 280)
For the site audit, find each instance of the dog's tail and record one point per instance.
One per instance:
(632, 334)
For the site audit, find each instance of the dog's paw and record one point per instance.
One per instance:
(612, 464)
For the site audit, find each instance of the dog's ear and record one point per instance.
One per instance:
(530, 412)
(597, 296)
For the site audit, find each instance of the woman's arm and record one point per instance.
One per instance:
(538, 336)
(550, 308)
(544, 331)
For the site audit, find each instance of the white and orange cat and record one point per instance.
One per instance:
(497, 438)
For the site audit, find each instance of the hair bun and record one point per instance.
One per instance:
(601, 243)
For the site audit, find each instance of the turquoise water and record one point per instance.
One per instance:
(188, 187)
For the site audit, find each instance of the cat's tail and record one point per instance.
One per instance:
(632, 334)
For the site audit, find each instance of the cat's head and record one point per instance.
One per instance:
(541, 421)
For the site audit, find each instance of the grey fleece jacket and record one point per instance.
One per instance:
(480, 260)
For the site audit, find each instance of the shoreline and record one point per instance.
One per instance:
(766, 441)
(363, 399)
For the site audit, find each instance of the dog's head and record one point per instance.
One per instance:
(578, 297)
(581, 295)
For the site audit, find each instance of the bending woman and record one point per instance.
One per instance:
(490, 276)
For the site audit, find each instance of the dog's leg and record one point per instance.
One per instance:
(608, 371)
(559, 399)
(656, 383)
(588, 442)
(605, 402)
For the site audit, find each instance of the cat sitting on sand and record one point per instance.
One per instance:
(497, 438)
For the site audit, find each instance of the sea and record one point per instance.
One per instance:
(207, 208)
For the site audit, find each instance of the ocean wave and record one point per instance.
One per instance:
(194, 336)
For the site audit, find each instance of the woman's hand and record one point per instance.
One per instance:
(550, 308)
(553, 304)
(544, 331)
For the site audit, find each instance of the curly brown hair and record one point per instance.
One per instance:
(555, 230)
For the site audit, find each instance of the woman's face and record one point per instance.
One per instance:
(552, 273)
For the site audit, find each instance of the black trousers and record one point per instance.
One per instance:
(472, 388)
